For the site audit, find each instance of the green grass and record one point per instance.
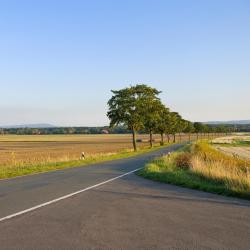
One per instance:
(165, 170)
(14, 171)
(235, 143)
(241, 143)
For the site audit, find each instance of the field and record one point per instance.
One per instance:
(30, 149)
(21, 155)
(53, 148)
(236, 145)
(234, 139)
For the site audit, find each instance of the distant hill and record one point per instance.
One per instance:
(38, 125)
(233, 122)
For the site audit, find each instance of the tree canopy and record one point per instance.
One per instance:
(127, 107)
(139, 108)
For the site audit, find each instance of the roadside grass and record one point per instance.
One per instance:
(20, 169)
(200, 166)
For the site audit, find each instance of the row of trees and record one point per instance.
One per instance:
(63, 130)
(139, 108)
(116, 130)
(53, 130)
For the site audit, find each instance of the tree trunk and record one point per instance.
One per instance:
(162, 139)
(197, 136)
(168, 138)
(134, 140)
(174, 138)
(151, 138)
(180, 137)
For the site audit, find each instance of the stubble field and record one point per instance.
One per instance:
(237, 145)
(25, 149)
(30, 149)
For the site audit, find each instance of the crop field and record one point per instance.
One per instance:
(236, 145)
(31, 149)
(235, 139)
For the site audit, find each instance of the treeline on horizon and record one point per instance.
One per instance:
(64, 130)
(105, 129)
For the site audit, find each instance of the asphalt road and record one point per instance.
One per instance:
(126, 213)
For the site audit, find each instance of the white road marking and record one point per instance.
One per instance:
(64, 197)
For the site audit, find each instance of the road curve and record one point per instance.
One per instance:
(126, 213)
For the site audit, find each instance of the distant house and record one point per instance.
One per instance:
(105, 131)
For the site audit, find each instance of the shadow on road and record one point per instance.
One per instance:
(177, 193)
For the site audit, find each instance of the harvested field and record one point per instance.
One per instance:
(232, 139)
(30, 149)
(44, 148)
(237, 145)
(241, 152)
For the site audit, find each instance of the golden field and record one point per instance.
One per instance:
(30, 149)
(25, 149)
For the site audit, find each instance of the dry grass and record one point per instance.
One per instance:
(210, 163)
(209, 170)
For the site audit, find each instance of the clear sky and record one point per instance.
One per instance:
(60, 59)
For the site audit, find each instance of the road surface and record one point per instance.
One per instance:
(116, 210)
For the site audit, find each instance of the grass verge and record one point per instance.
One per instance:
(20, 169)
(202, 167)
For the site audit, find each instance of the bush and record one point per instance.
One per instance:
(183, 160)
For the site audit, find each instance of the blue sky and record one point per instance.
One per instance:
(60, 59)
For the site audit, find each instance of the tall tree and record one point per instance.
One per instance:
(127, 107)
(170, 125)
(182, 124)
(152, 116)
(189, 129)
(176, 124)
(198, 128)
(164, 124)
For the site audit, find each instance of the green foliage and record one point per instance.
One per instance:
(139, 108)
(165, 120)
(152, 116)
(189, 127)
(127, 107)
(198, 127)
